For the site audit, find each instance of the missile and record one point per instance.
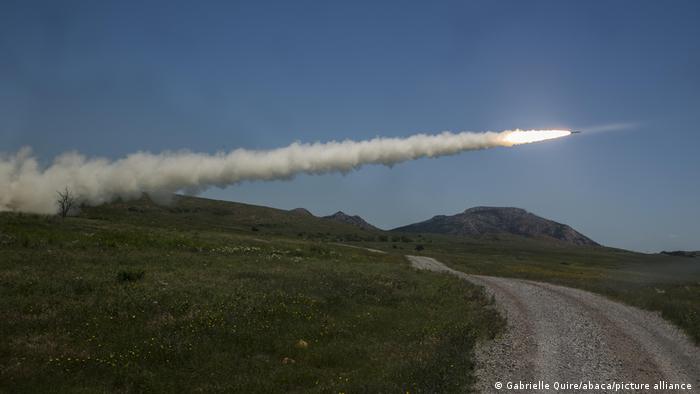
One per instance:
(576, 131)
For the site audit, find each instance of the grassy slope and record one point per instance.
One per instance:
(222, 307)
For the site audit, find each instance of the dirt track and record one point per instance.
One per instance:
(560, 334)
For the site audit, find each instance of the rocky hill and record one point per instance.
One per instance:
(354, 220)
(481, 221)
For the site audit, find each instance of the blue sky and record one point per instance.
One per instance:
(111, 79)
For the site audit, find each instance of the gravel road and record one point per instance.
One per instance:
(561, 334)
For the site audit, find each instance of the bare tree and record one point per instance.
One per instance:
(66, 202)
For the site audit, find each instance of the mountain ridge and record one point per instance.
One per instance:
(484, 220)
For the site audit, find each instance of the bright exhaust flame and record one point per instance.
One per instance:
(518, 137)
(27, 186)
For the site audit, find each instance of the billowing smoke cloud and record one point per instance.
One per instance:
(26, 186)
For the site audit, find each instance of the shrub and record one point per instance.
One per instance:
(130, 276)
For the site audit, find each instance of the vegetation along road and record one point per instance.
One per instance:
(562, 334)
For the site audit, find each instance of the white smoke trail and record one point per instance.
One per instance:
(26, 187)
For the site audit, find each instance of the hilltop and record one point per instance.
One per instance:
(480, 221)
(354, 220)
(301, 211)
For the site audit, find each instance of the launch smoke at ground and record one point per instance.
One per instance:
(27, 187)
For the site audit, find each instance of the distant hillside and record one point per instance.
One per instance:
(354, 220)
(206, 214)
(480, 221)
(682, 253)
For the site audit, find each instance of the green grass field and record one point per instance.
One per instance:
(162, 301)
(209, 296)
